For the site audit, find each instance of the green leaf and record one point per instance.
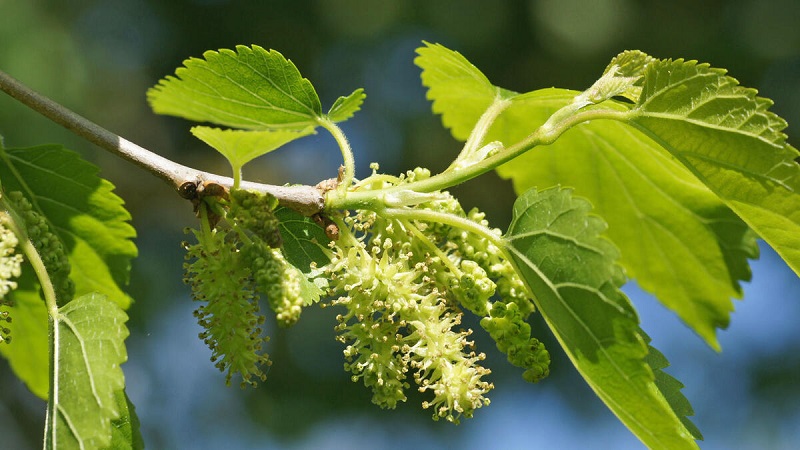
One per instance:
(344, 107)
(251, 88)
(93, 225)
(304, 242)
(240, 147)
(574, 280)
(630, 63)
(83, 211)
(125, 434)
(88, 336)
(726, 136)
(671, 388)
(28, 350)
(677, 239)
(459, 91)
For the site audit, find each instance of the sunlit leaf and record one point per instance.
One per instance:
(240, 146)
(344, 107)
(93, 225)
(575, 282)
(250, 88)
(677, 239)
(631, 63)
(82, 210)
(459, 91)
(725, 135)
(88, 336)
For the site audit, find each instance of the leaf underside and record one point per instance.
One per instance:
(88, 341)
(726, 136)
(676, 237)
(574, 280)
(240, 147)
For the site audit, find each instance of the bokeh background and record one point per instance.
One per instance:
(99, 57)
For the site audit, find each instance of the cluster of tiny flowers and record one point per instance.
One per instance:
(230, 313)
(277, 279)
(402, 282)
(10, 261)
(227, 269)
(398, 320)
(252, 214)
(10, 268)
(48, 245)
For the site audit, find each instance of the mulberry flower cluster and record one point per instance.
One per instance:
(228, 268)
(48, 245)
(403, 283)
(10, 268)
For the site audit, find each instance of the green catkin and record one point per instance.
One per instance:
(278, 280)
(48, 245)
(253, 212)
(400, 282)
(230, 314)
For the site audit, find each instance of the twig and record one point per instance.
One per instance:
(306, 199)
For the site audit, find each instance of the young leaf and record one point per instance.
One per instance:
(344, 107)
(240, 147)
(677, 239)
(82, 210)
(725, 135)
(572, 275)
(251, 88)
(88, 336)
(304, 242)
(630, 63)
(459, 91)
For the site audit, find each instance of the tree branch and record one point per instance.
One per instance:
(307, 200)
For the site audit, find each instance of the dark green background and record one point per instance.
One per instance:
(99, 57)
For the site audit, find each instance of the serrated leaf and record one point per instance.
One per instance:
(92, 223)
(88, 336)
(677, 239)
(459, 91)
(304, 242)
(574, 280)
(250, 88)
(344, 107)
(28, 351)
(671, 388)
(239, 147)
(630, 63)
(83, 211)
(725, 135)
(125, 434)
